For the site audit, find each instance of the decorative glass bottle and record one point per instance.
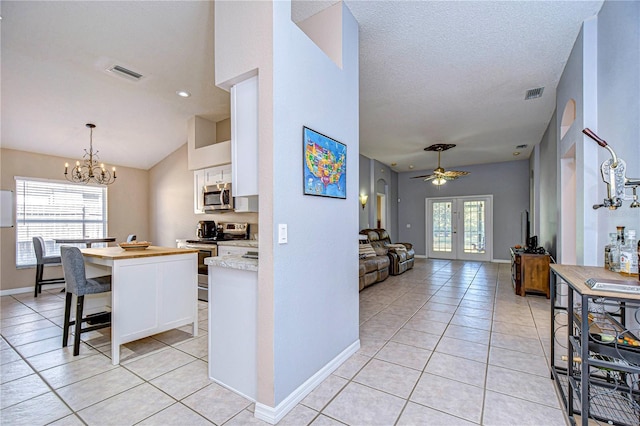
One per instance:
(607, 250)
(628, 260)
(614, 258)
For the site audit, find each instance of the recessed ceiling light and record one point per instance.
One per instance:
(411, 166)
(183, 93)
(515, 154)
(394, 164)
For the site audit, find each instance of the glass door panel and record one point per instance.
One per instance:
(441, 232)
(474, 233)
(473, 217)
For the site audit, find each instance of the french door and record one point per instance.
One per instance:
(460, 228)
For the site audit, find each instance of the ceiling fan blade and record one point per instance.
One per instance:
(454, 174)
(420, 177)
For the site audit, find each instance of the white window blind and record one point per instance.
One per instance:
(52, 209)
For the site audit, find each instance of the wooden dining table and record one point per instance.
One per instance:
(87, 241)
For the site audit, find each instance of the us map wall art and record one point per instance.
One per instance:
(324, 165)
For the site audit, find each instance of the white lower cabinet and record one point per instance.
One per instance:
(233, 304)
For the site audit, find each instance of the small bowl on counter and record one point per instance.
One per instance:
(134, 245)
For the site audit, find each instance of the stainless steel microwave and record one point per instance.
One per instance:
(217, 197)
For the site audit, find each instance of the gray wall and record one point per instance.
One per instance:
(507, 182)
(602, 75)
(364, 186)
(548, 181)
(618, 106)
(371, 174)
(315, 301)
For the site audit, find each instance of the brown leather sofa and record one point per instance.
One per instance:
(374, 267)
(401, 255)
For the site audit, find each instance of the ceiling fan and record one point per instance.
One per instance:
(439, 175)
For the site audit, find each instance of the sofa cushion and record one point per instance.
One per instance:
(402, 255)
(380, 250)
(365, 251)
(384, 235)
(371, 234)
(370, 264)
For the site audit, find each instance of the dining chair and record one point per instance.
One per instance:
(80, 285)
(43, 260)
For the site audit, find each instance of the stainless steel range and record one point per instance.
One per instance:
(208, 247)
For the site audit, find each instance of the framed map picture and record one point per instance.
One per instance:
(324, 168)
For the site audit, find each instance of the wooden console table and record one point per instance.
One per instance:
(529, 272)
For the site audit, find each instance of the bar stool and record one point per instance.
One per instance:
(80, 285)
(41, 261)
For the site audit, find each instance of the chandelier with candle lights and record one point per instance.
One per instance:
(89, 170)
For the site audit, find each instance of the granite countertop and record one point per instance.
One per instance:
(239, 243)
(233, 262)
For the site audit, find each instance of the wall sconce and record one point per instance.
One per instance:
(363, 200)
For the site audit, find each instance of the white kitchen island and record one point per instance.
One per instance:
(152, 290)
(233, 315)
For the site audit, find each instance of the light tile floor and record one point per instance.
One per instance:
(444, 343)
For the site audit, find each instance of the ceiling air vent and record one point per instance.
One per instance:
(125, 73)
(521, 146)
(533, 93)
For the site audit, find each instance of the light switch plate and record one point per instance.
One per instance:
(282, 233)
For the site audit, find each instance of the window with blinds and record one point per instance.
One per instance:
(52, 209)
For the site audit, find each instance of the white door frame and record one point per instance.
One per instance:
(381, 201)
(457, 222)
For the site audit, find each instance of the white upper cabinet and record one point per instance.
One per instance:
(220, 174)
(244, 137)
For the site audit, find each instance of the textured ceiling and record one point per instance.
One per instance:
(430, 71)
(457, 72)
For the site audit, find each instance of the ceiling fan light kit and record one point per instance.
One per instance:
(440, 176)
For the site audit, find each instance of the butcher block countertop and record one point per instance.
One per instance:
(116, 253)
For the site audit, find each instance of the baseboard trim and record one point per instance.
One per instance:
(29, 289)
(422, 256)
(273, 415)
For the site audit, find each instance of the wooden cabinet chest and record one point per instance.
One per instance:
(529, 272)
